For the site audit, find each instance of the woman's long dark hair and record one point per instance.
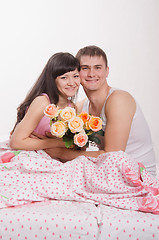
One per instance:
(57, 65)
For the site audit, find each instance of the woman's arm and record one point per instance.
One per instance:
(21, 139)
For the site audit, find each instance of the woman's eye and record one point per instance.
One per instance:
(76, 76)
(63, 77)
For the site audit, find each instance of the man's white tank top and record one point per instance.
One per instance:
(139, 145)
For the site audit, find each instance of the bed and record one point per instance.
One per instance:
(55, 207)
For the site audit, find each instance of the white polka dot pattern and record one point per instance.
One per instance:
(111, 179)
(49, 220)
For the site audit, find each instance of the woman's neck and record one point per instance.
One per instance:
(63, 102)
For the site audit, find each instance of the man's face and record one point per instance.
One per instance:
(93, 72)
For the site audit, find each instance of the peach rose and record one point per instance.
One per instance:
(80, 139)
(51, 111)
(84, 116)
(95, 123)
(58, 129)
(75, 124)
(67, 113)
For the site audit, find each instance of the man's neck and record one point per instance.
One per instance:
(97, 99)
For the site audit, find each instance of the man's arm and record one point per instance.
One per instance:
(62, 153)
(120, 109)
(65, 154)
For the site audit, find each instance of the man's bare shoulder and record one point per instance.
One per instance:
(120, 99)
(79, 105)
(122, 95)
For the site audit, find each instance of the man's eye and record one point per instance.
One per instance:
(84, 68)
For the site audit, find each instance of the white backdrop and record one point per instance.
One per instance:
(32, 30)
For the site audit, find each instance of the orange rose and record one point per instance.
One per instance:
(67, 113)
(84, 116)
(51, 111)
(58, 129)
(86, 126)
(95, 123)
(75, 124)
(80, 139)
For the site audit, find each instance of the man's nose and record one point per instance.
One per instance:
(91, 72)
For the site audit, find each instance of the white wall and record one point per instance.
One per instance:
(32, 30)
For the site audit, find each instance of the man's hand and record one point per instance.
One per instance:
(37, 136)
(56, 153)
(49, 135)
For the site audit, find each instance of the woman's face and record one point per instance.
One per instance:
(68, 83)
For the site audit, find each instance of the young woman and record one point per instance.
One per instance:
(58, 81)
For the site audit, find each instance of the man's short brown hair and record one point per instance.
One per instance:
(92, 51)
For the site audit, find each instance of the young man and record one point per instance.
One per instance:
(123, 121)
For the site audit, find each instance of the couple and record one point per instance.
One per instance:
(123, 121)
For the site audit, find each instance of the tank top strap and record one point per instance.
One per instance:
(109, 93)
(86, 102)
(44, 94)
(85, 107)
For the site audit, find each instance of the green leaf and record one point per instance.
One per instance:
(4, 196)
(68, 143)
(89, 132)
(100, 132)
(141, 169)
(50, 122)
(87, 144)
(97, 140)
(94, 139)
(16, 152)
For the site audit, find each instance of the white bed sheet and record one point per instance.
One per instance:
(73, 220)
(127, 224)
(50, 220)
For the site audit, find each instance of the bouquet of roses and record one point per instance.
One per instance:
(74, 129)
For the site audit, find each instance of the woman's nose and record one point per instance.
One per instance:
(71, 81)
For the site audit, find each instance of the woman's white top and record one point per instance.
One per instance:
(139, 145)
